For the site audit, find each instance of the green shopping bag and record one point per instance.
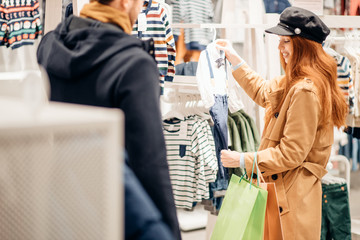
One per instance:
(242, 213)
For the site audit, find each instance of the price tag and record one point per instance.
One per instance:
(142, 22)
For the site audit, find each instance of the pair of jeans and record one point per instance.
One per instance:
(219, 115)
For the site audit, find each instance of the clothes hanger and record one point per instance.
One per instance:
(175, 111)
(214, 35)
(202, 111)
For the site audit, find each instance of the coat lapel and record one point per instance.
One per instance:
(275, 98)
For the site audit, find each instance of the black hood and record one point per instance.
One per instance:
(80, 45)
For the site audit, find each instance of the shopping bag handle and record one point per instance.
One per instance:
(259, 175)
(252, 171)
(243, 176)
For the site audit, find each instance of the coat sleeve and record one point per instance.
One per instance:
(254, 85)
(302, 121)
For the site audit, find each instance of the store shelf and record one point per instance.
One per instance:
(337, 21)
(332, 21)
(218, 25)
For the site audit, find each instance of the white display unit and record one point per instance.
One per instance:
(60, 174)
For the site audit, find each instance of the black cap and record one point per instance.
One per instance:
(295, 21)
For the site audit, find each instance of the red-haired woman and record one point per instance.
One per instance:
(302, 108)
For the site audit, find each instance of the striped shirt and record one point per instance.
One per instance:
(192, 160)
(344, 77)
(197, 12)
(20, 22)
(158, 28)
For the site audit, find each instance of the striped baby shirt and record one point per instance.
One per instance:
(158, 28)
(191, 158)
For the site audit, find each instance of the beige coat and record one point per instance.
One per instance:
(293, 151)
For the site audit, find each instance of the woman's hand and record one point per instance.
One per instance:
(230, 158)
(230, 52)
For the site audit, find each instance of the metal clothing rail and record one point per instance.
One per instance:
(345, 161)
(332, 21)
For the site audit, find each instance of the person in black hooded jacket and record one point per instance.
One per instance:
(93, 60)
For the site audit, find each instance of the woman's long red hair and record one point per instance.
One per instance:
(309, 60)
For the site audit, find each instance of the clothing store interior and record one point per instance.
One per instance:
(73, 167)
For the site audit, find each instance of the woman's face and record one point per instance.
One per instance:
(285, 47)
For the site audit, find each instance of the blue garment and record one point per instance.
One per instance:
(276, 6)
(219, 114)
(142, 219)
(195, 46)
(186, 69)
(351, 150)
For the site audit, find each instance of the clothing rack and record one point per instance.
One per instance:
(342, 159)
(332, 21)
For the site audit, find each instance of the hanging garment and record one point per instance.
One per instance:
(218, 79)
(158, 28)
(336, 221)
(214, 80)
(351, 150)
(245, 132)
(344, 78)
(276, 6)
(353, 120)
(197, 12)
(20, 23)
(254, 130)
(191, 158)
(354, 131)
(234, 135)
(211, 75)
(219, 114)
(248, 134)
(235, 146)
(186, 69)
(216, 83)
